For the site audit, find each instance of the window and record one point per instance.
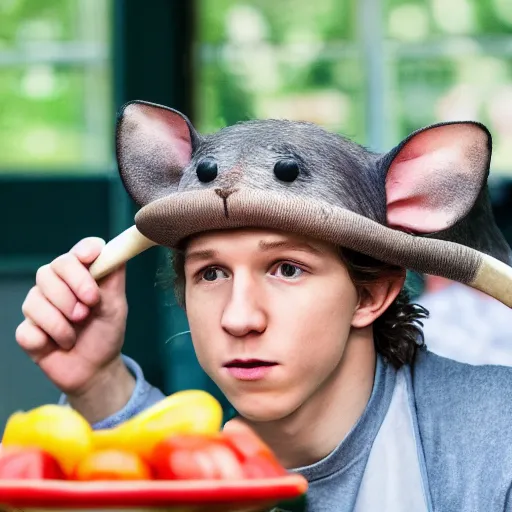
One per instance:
(287, 59)
(374, 70)
(451, 61)
(56, 107)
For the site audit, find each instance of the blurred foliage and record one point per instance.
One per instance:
(443, 60)
(26, 20)
(424, 19)
(55, 85)
(282, 22)
(293, 59)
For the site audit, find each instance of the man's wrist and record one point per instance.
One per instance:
(110, 392)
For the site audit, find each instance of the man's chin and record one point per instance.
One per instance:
(261, 416)
(261, 410)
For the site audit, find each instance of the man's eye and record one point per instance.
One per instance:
(288, 271)
(213, 273)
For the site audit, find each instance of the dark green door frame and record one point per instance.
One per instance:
(152, 62)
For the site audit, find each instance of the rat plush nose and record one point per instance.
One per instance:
(224, 192)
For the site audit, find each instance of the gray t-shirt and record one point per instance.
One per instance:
(376, 467)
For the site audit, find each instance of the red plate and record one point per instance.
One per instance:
(182, 496)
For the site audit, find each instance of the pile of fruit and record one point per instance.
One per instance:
(178, 438)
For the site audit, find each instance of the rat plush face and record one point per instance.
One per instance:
(289, 158)
(423, 205)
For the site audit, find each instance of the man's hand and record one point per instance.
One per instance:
(74, 330)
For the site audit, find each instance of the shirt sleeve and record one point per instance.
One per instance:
(144, 395)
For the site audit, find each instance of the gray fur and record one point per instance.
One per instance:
(332, 168)
(479, 231)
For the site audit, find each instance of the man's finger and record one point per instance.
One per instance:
(34, 341)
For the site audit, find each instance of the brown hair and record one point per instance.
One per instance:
(397, 332)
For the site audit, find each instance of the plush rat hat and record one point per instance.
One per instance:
(424, 205)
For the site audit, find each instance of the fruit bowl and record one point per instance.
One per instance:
(183, 496)
(173, 456)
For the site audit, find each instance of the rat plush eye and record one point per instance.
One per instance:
(286, 170)
(206, 170)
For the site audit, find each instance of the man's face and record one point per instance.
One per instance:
(270, 314)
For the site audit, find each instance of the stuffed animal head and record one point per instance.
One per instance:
(424, 205)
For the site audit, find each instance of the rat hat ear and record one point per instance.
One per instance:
(153, 144)
(436, 189)
(435, 176)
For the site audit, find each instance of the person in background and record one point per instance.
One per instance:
(464, 324)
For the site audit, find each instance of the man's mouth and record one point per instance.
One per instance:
(248, 363)
(249, 369)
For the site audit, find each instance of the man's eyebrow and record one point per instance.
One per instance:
(288, 244)
(206, 254)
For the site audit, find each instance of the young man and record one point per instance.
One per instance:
(291, 245)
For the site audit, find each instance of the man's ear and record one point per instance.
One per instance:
(375, 298)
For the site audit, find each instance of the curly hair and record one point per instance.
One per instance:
(397, 333)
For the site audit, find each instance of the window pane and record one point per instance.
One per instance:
(55, 86)
(475, 87)
(451, 61)
(325, 92)
(415, 20)
(282, 21)
(51, 118)
(253, 62)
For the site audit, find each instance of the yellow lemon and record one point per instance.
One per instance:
(58, 430)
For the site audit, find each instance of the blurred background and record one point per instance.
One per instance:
(374, 70)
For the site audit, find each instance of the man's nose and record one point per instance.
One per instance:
(244, 313)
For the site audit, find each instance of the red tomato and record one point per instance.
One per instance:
(262, 466)
(195, 457)
(29, 463)
(112, 465)
(258, 460)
